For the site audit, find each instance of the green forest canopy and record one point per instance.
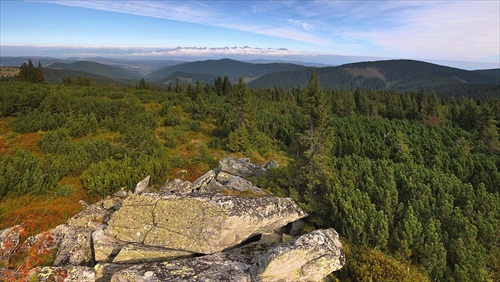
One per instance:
(409, 175)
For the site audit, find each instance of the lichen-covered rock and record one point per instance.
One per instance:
(229, 265)
(134, 220)
(237, 183)
(74, 247)
(201, 223)
(112, 204)
(62, 274)
(310, 257)
(240, 167)
(200, 184)
(91, 214)
(217, 267)
(105, 247)
(138, 253)
(9, 239)
(142, 185)
(176, 186)
(104, 271)
(231, 182)
(122, 193)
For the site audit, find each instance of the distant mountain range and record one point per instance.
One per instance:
(389, 74)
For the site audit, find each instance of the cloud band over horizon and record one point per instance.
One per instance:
(437, 30)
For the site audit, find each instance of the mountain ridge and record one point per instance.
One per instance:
(398, 75)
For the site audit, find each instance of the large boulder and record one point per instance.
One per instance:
(74, 246)
(240, 167)
(230, 265)
(201, 223)
(310, 257)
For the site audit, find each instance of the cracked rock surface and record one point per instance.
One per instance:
(201, 223)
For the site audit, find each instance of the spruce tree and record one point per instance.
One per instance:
(315, 140)
(312, 165)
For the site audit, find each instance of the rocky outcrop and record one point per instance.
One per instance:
(310, 257)
(187, 231)
(202, 223)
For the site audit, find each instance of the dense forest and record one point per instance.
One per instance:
(408, 179)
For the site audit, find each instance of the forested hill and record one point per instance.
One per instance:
(97, 69)
(398, 75)
(225, 67)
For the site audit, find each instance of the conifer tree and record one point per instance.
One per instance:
(315, 140)
(239, 140)
(28, 72)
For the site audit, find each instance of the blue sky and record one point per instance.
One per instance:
(423, 30)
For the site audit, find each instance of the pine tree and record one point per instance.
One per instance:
(28, 72)
(315, 140)
(239, 140)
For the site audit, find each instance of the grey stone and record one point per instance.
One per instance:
(200, 223)
(105, 247)
(224, 177)
(176, 186)
(122, 194)
(138, 253)
(91, 214)
(237, 183)
(230, 265)
(104, 271)
(202, 182)
(142, 185)
(74, 247)
(240, 167)
(309, 257)
(62, 273)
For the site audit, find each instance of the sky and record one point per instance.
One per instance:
(458, 33)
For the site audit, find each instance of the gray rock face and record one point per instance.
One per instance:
(63, 273)
(240, 167)
(176, 186)
(226, 266)
(105, 247)
(74, 247)
(202, 223)
(308, 258)
(237, 183)
(137, 253)
(90, 216)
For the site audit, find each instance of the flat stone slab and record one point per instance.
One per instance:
(202, 223)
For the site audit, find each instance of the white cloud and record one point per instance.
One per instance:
(217, 51)
(460, 30)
